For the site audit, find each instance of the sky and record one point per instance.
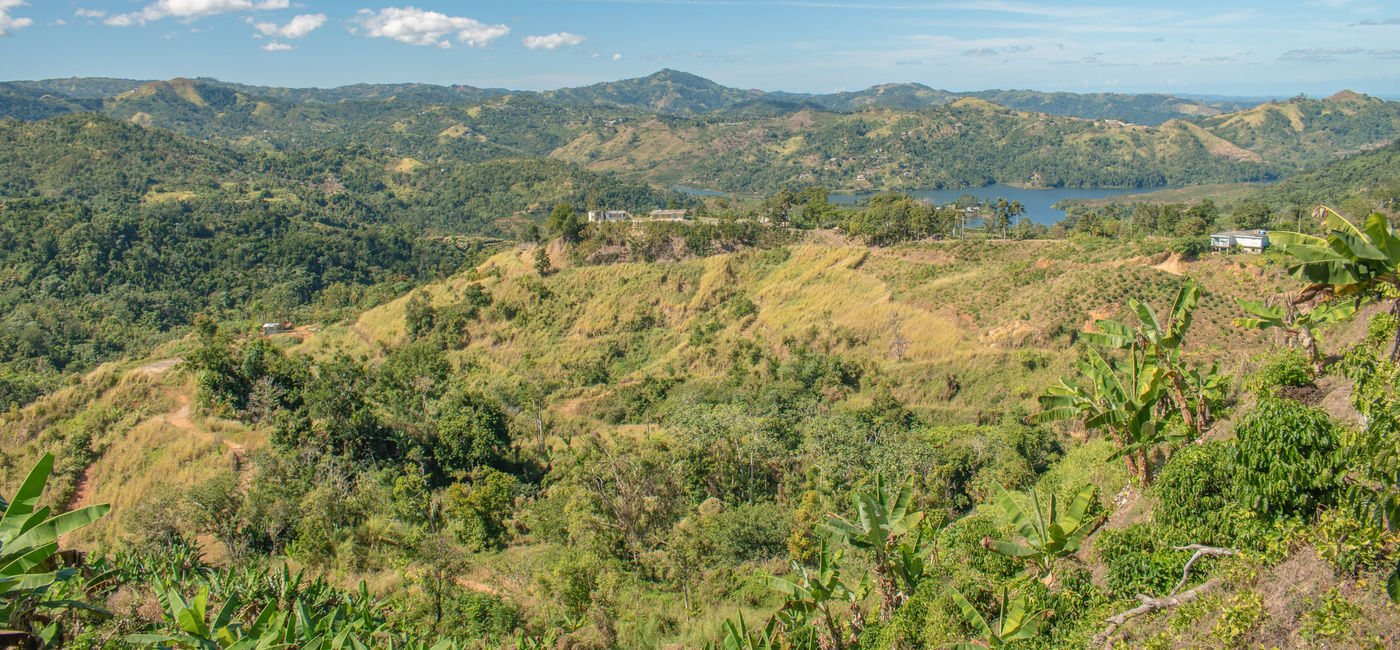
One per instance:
(1253, 48)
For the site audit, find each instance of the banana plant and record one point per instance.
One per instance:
(883, 518)
(1049, 532)
(1346, 261)
(1118, 397)
(1155, 346)
(1016, 622)
(813, 596)
(1304, 328)
(204, 628)
(736, 635)
(28, 543)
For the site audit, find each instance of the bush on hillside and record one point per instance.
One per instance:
(1191, 246)
(1287, 367)
(1289, 459)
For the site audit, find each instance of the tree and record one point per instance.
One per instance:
(1348, 261)
(1303, 328)
(1004, 214)
(1122, 397)
(1049, 532)
(812, 598)
(418, 314)
(883, 519)
(542, 263)
(564, 222)
(471, 431)
(1252, 215)
(1016, 623)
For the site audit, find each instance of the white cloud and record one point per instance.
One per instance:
(551, 41)
(191, 9)
(617, 57)
(90, 13)
(8, 22)
(418, 27)
(295, 28)
(274, 46)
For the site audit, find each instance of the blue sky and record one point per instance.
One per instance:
(1249, 48)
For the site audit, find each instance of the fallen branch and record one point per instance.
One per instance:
(1200, 552)
(1150, 604)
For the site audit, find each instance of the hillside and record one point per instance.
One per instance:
(695, 391)
(743, 141)
(679, 93)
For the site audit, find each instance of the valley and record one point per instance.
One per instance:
(413, 365)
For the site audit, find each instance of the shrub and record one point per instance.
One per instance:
(749, 532)
(1193, 493)
(1139, 560)
(1285, 368)
(1381, 329)
(1239, 619)
(1288, 459)
(1190, 247)
(1350, 545)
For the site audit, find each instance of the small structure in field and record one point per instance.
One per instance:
(670, 215)
(599, 216)
(268, 329)
(1249, 241)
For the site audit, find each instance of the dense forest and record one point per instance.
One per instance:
(676, 129)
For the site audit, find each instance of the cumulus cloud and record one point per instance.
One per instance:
(981, 51)
(1371, 22)
(274, 46)
(191, 9)
(295, 28)
(418, 27)
(90, 13)
(9, 23)
(551, 41)
(617, 57)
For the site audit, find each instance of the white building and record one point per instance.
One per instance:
(599, 216)
(1249, 241)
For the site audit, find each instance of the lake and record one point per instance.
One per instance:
(1037, 202)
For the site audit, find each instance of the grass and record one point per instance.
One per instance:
(939, 324)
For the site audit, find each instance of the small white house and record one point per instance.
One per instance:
(599, 216)
(1249, 241)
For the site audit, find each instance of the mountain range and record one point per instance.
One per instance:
(673, 92)
(676, 129)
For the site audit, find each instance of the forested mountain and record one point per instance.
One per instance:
(666, 92)
(114, 235)
(1358, 184)
(680, 93)
(745, 141)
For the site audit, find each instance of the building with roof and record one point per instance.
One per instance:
(1249, 241)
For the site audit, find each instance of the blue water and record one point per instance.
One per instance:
(1037, 202)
